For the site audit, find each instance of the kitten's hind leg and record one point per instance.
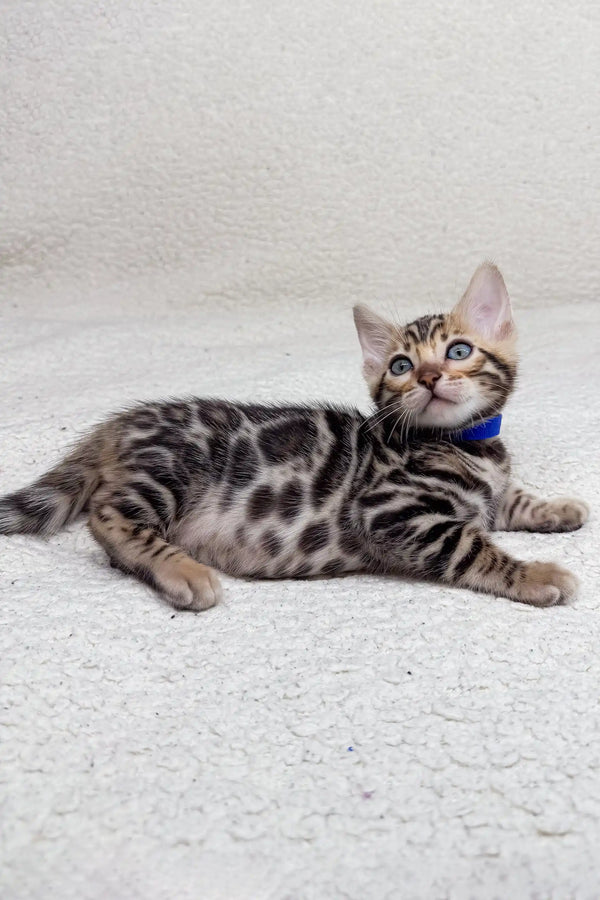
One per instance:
(521, 511)
(136, 547)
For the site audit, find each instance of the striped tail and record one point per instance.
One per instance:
(52, 501)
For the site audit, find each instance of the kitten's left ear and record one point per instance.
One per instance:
(485, 307)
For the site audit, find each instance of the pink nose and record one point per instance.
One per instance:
(429, 378)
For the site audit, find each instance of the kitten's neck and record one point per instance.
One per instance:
(489, 428)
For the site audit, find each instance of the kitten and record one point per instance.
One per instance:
(177, 489)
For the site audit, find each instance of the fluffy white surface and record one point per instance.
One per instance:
(360, 737)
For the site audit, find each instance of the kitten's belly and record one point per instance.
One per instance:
(243, 540)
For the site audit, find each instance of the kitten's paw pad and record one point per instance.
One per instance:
(546, 584)
(190, 585)
(563, 514)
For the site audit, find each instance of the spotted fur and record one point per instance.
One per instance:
(177, 489)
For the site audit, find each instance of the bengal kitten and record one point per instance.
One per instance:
(177, 489)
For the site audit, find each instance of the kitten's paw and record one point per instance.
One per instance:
(562, 514)
(546, 584)
(188, 584)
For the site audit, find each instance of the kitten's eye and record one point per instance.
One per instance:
(459, 351)
(401, 365)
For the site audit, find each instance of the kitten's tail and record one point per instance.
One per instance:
(56, 498)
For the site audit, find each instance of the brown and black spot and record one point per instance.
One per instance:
(380, 453)
(168, 472)
(376, 498)
(290, 500)
(271, 543)
(150, 458)
(492, 449)
(463, 479)
(243, 464)
(436, 531)
(191, 456)
(288, 440)
(335, 468)
(314, 537)
(218, 415)
(169, 436)
(398, 476)
(437, 504)
(469, 558)
(333, 568)
(393, 524)
(178, 414)
(305, 570)
(132, 510)
(518, 496)
(350, 543)
(261, 502)
(145, 418)
(218, 449)
(153, 496)
(259, 415)
(438, 565)
(104, 514)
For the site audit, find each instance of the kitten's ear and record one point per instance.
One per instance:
(485, 307)
(375, 336)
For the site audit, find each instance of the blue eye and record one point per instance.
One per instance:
(401, 365)
(459, 350)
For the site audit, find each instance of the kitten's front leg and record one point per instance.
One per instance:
(521, 511)
(462, 554)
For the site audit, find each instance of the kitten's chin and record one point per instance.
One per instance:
(446, 414)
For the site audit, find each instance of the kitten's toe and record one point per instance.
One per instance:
(546, 584)
(575, 513)
(191, 585)
(564, 514)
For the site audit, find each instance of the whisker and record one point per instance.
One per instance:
(376, 413)
(383, 415)
(404, 420)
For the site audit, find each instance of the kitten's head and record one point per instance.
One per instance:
(447, 371)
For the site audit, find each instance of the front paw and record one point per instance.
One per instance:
(562, 514)
(546, 584)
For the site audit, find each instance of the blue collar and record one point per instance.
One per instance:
(488, 429)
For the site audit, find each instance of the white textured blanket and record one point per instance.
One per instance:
(304, 739)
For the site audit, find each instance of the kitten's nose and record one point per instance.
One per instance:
(428, 377)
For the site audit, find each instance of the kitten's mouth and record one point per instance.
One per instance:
(440, 399)
(445, 412)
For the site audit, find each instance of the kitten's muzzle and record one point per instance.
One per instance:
(429, 378)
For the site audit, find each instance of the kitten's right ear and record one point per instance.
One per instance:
(375, 336)
(485, 306)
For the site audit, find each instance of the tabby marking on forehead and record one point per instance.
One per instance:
(424, 328)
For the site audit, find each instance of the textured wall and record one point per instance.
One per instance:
(334, 150)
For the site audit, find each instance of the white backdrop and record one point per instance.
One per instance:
(339, 151)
